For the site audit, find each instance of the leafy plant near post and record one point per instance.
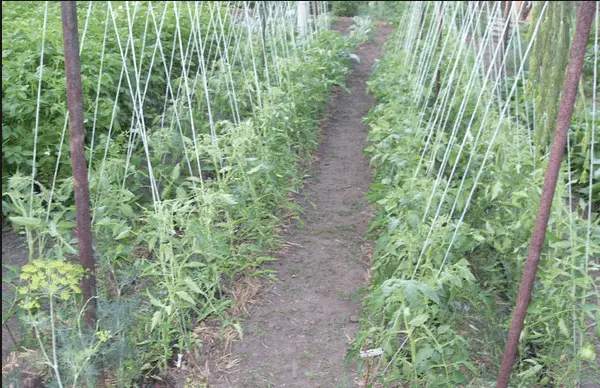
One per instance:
(346, 8)
(163, 266)
(55, 284)
(100, 49)
(446, 266)
(544, 84)
(548, 71)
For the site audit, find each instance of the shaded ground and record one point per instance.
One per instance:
(14, 252)
(297, 334)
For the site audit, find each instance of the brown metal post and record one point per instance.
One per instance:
(580, 40)
(263, 34)
(506, 15)
(78, 163)
(525, 10)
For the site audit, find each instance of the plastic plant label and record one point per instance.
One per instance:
(371, 353)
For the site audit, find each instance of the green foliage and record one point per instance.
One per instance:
(548, 71)
(362, 29)
(54, 279)
(49, 296)
(439, 303)
(346, 8)
(21, 48)
(383, 10)
(544, 87)
(163, 266)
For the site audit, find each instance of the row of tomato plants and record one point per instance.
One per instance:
(23, 27)
(440, 302)
(164, 266)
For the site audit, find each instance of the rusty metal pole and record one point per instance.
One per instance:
(580, 40)
(263, 35)
(507, 15)
(78, 163)
(525, 10)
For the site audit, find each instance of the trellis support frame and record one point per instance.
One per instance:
(587, 11)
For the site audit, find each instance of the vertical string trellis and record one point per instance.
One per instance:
(454, 166)
(182, 145)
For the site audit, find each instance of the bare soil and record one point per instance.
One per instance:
(14, 252)
(298, 332)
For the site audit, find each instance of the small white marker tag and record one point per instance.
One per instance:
(371, 353)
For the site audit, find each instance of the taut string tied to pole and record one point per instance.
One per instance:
(587, 10)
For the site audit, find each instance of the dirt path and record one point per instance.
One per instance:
(297, 334)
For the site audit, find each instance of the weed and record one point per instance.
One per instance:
(346, 228)
(315, 376)
(343, 295)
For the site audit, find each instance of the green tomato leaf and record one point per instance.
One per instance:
(587, 352)
(419, 320)
(176, 172)
(533, 371)
(185, 296)
(193, 286)
(563, 327)
(29, 222)
(155, 319)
